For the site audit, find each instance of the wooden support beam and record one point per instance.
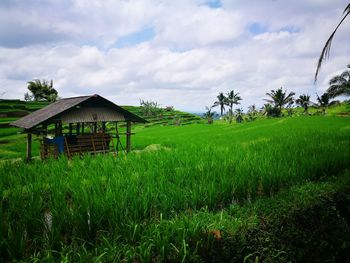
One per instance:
(56, 129)
(29, 147)
(78, 128)
(60, 128)
(82, 127)
(45, 129)
(103, 126)
(128, 136)
(95, 127)
(70, 128)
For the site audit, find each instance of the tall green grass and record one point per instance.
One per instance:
(103, 199)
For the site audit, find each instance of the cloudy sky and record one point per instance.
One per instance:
(180, 53)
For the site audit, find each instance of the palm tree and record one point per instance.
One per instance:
(327, 47)
(42, 90)
(222, 101)
(209, 115)
(231, 99)
(304, 101)
(340, 85)
(323, 101)
(239, 115)
(280, 98)
(252, 112)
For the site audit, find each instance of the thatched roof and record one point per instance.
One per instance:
(73, 108)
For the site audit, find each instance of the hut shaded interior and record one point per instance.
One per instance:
(78, 126)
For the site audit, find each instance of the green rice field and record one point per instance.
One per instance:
(192, 193)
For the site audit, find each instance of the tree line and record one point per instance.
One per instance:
(279, 100)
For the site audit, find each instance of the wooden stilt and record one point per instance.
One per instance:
(103, 126)
(70, 128)
(78, 128)
(60, 128)
(29, 147)
(82, 127)
(56, 129)
(128, 136)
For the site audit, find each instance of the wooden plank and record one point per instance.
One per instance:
(70, 128)
(93, 144)
(67, 147)
(29, 146)
(128, 136)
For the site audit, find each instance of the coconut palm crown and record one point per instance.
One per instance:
(324, 101)
(42, 90)
(304, 101)
(222, 101)
(231, 99)
(340, 85)
(279, 98)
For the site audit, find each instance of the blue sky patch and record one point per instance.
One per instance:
(256, 28)
(136, 38)
(290, 29)
(214, 3)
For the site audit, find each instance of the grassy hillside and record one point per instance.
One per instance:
(189, 193)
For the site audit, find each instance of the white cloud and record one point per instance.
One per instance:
(196, 53)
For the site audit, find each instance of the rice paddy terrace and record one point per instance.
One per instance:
(272, 190)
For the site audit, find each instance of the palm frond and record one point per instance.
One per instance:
(326, 49)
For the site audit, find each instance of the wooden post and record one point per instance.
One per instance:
(78, 128)
(60, 129)
(45, 129)
(103, 126)
(128, 136)
(29, 147)
(82, 127)
(70, 128)
(56, 129)
(95, 127)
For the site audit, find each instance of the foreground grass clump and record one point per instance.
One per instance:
(160, 205)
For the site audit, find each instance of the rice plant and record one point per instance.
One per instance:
(117, 203)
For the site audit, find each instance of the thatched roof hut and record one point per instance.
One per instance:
(91, 110)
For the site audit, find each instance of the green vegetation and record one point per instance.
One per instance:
(41, 90)
(340, 85)
(190, 193)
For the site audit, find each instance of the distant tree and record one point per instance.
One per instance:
(209, 115)
(239, 115)
(324, 101)
(279, 99)
(265, 109)
(150, 108)
(252, 113)
(28, 97)
(232, 99)
(304, 101)
(42, 90)
(340, 85)
(222, 101)
(326, 49)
